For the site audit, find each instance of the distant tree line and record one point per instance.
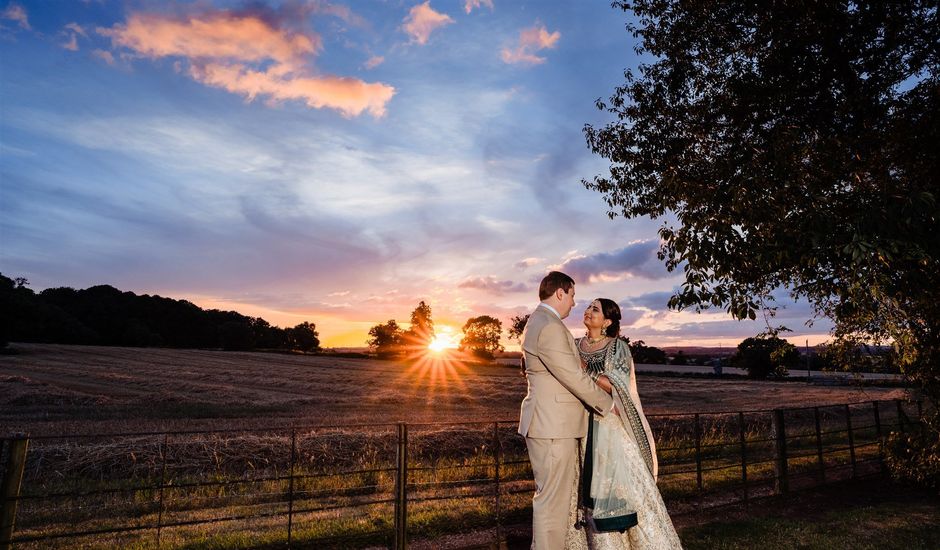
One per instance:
(104, 315)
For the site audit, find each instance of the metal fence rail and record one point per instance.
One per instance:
(383, 483)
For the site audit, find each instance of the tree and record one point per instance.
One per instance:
(305, 337)
(790, 144)
(386, 338)
(680, 359)
(481, 336)
(764, 356)
(236, 336)
(421, 332)
(517, 325)
(648, 355)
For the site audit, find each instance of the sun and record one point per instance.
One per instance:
(443, 340)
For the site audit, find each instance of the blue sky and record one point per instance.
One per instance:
(327, 162)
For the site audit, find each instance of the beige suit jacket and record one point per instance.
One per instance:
(559, 389)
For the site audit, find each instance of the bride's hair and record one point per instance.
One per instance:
(611, 312)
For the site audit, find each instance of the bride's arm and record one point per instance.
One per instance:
(604, 383)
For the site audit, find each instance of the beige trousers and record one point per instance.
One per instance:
(555, 468)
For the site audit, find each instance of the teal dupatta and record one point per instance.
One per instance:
(605, 477)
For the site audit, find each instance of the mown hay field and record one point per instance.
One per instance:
(58, 389)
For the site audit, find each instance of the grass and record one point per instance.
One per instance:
(450, 484)
(855, 515)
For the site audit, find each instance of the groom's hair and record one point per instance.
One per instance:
(552, 282)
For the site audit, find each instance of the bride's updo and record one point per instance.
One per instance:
(611, 312)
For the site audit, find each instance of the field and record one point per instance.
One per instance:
(208, 488)
(57, 389)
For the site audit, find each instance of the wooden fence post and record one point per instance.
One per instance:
(698, 452)
(781, 478)
(290, 487)
(163, 451)
(496, 479)
(819, 449)
(881, 447)
(743, 453)
(848, 424)
(901, 415)
(401, 489)
(10, 487)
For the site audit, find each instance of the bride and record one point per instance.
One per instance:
(619, 502)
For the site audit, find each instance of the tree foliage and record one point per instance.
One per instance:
(386, 338)
(647, 355)
(764, 356)
(421, 332)
(517, 326)
(789, 145)
(481, 336)
(304, 337)
(103, 315)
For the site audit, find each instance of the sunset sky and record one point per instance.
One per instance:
(327, 162)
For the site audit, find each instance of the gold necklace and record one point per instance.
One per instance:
(592, 341)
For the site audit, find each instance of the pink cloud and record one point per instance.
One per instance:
(251, 55)
(469, 5)
(349, 96)
(422, 20)
(71, 32)
(72, 43)
(216, 35)
(531, 40)
(104, 55)
(374, 61)
(16, 12)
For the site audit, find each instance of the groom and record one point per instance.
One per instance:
(553, 412)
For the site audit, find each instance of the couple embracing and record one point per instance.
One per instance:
(591, 449)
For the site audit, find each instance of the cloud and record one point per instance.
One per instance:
(104, 55)
(469, 5)
(637, 259)
(213, 35)
(350, 96)
(492, 285)
(531, 40)
(374, 61)
(336, 10)
(655, 301)
(526, 263)
(422, 20)
(72, 43)
(16, 12)
(77, 29)
(71, 33)
(249, 54)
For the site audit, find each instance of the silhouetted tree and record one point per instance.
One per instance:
(679, 359)
(305, 337)
(421, 332)
(104, 315)
(236, 336)
(648, 355)
(481, 336)
(764, 356)
(517, 325)
(386, 338)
